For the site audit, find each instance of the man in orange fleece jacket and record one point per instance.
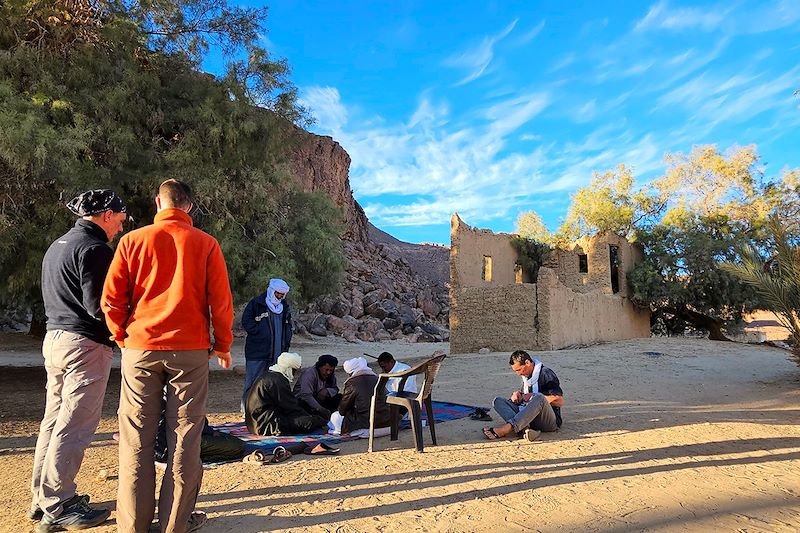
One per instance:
(166, 284)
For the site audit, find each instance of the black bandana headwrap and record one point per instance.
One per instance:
(96, 201)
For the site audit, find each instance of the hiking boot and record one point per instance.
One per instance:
(37, 514)
(531, 435)
(76, 515)
(197, 520)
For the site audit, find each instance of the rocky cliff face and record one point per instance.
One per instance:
(320, 164)
(392, 289)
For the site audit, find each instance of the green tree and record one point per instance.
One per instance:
(610, 204)
(531, 255)
(108, 94)
(776, 279)
(716, 205)
(679, 278)
(530, 226)
(701, 211)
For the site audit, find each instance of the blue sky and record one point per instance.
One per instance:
(495, 108)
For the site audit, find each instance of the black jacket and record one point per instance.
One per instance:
(272, 409)
(258, 344)
(73, 272)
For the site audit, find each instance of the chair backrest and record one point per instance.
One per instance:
(430, 369)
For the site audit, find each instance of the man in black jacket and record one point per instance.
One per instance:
(272, 409)
(77, 356)
(267, 319)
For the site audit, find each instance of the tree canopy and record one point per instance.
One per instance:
(110, 95)
(776, 279)
(706, 207)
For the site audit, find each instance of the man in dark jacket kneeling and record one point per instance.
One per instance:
(272, 409)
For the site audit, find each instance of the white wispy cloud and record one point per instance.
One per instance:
(509, 115)
(662, 17)
(469, 169)
(716, 98)
(531, 34)
(477, 59)
(326, 106)
(563, 62)
(586, 112)
(429, 113)
(771, 16)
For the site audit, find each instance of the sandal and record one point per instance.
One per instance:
(480, 414)
(490, 434)
(279, 455)
(258, 457)
(321, 449)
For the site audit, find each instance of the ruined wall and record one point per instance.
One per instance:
(502, 319)
(468, 246)
(568, 317)
(564, 307)
(596, 248)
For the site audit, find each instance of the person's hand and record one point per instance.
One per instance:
(324, 413)
(526, 397)
(223, 358)
(516, 397)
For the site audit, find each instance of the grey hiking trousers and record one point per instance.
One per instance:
(77, 375)
(536, 414)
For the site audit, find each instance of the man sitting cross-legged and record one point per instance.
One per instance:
(535, 407)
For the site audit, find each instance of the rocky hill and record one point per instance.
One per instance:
(431, 261)
(392, 289)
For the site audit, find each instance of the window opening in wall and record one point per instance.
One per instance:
(583, 264)
(517, 273)
(486, 274)
(613, 259)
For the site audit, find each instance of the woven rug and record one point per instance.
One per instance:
(442, 412)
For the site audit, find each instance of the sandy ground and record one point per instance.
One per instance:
(659, 435)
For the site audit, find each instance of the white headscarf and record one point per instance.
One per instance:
(275, 305)
(287, 361)
(357, 366)
(531, 384)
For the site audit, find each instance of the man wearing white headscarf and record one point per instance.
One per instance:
(272, 409)
(353, 414)
(267, 319)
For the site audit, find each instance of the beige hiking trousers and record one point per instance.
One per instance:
(77, 375)
(144, 376)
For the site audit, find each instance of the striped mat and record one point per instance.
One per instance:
(442, 412)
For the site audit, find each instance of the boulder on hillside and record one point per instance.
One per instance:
(338, 326)
(340, 308)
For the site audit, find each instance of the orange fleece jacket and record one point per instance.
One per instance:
(162, 283)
